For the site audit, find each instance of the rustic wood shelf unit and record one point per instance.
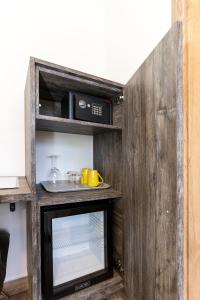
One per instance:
(46, 86)
(140, 156)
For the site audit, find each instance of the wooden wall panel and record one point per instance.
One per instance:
(189, 15)
(108, 160)
(152, 174)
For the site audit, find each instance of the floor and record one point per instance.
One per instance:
(118, 296)
(23, 296)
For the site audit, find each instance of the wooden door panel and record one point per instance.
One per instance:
(153, 236)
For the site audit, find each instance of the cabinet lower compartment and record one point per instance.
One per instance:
(76, 247)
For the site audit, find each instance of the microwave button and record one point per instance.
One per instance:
(82, 103)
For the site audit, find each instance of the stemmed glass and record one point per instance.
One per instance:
(54, 174)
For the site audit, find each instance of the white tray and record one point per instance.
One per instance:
(68, 186)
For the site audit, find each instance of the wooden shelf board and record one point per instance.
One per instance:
(104, 290)
(111, 288)
(23, 193)
(48, 123)
(46, 198)
(58, 78)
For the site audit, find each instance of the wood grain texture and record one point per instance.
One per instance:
(112, 289)
(51, 81)
(33, 246)
(108, 159)
(52, 68)
(23, 193)
(101, 291)
(152, 241)
(20, 296)
(114, 296)
(54, 85)
(29, 97)
(177, 10)
(189, 15)
(46, 198)
(55, 124)
(15, 287)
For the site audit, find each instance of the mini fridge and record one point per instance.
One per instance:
(76, 245)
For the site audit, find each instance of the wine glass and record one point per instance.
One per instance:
(54, 174)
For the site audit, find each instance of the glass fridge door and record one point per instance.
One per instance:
(77, 246)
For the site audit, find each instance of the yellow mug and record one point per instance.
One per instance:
(94, 178)
(84, 177)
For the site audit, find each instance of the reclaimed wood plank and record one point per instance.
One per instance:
(45, 198)
(108, 159)
(100, 291)
(29, 98)
(187, 11)
(55, 124)
(153, 174)
(23, 193)
(15, 287)
(54, 68)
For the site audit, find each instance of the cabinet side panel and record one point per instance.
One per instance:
(29, 95)
(152, 180)
(33, 251)
(108, 160)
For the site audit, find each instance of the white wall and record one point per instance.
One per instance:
(67, 32)
(133, 28)
(108, 38)
(74, 152)
(15, 223)
(70, 33)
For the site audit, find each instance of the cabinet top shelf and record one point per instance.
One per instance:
(56, 77)
(48, 123)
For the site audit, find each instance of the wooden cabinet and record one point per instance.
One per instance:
(153, 174)
(140, 155)
(46, 87)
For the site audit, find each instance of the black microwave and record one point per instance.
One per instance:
(88, 108)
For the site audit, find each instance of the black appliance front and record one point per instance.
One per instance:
(90, 108)
(76, 246)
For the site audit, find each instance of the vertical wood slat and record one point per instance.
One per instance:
(189, 15)
(29, 95)
(153, 245)
(33, 251)
(30, 160)
(108, 160)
